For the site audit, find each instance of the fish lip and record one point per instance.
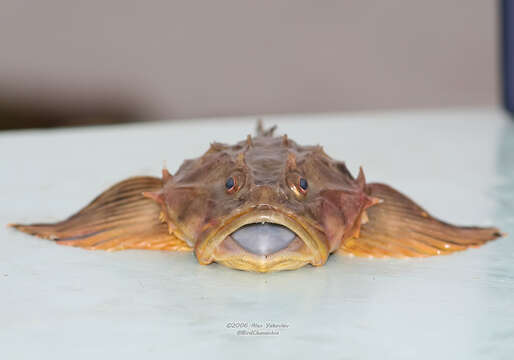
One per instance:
(205, 249)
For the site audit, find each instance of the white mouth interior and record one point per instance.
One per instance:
(263, 238)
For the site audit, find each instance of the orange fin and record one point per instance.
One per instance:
(397, 227)
(120, 218)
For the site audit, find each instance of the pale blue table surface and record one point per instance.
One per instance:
(66, 303)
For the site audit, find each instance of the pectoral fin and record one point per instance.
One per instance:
(397, 227)
(120, 218)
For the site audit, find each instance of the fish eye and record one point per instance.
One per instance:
(230, 184)
(303, 185)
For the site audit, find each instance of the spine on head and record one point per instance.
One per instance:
(264, 132)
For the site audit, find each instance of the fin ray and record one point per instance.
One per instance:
(398, 227)
(119, 218)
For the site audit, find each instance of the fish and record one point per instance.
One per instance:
(263, 204)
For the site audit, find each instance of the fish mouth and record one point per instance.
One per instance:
(263, 239)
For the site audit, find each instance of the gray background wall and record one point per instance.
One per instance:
(183, 58)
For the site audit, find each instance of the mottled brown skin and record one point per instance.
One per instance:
(193, 210)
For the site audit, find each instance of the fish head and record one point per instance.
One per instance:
(264, 204)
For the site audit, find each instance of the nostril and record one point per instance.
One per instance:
(282, 194)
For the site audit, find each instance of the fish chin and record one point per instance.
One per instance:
(263, 240)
